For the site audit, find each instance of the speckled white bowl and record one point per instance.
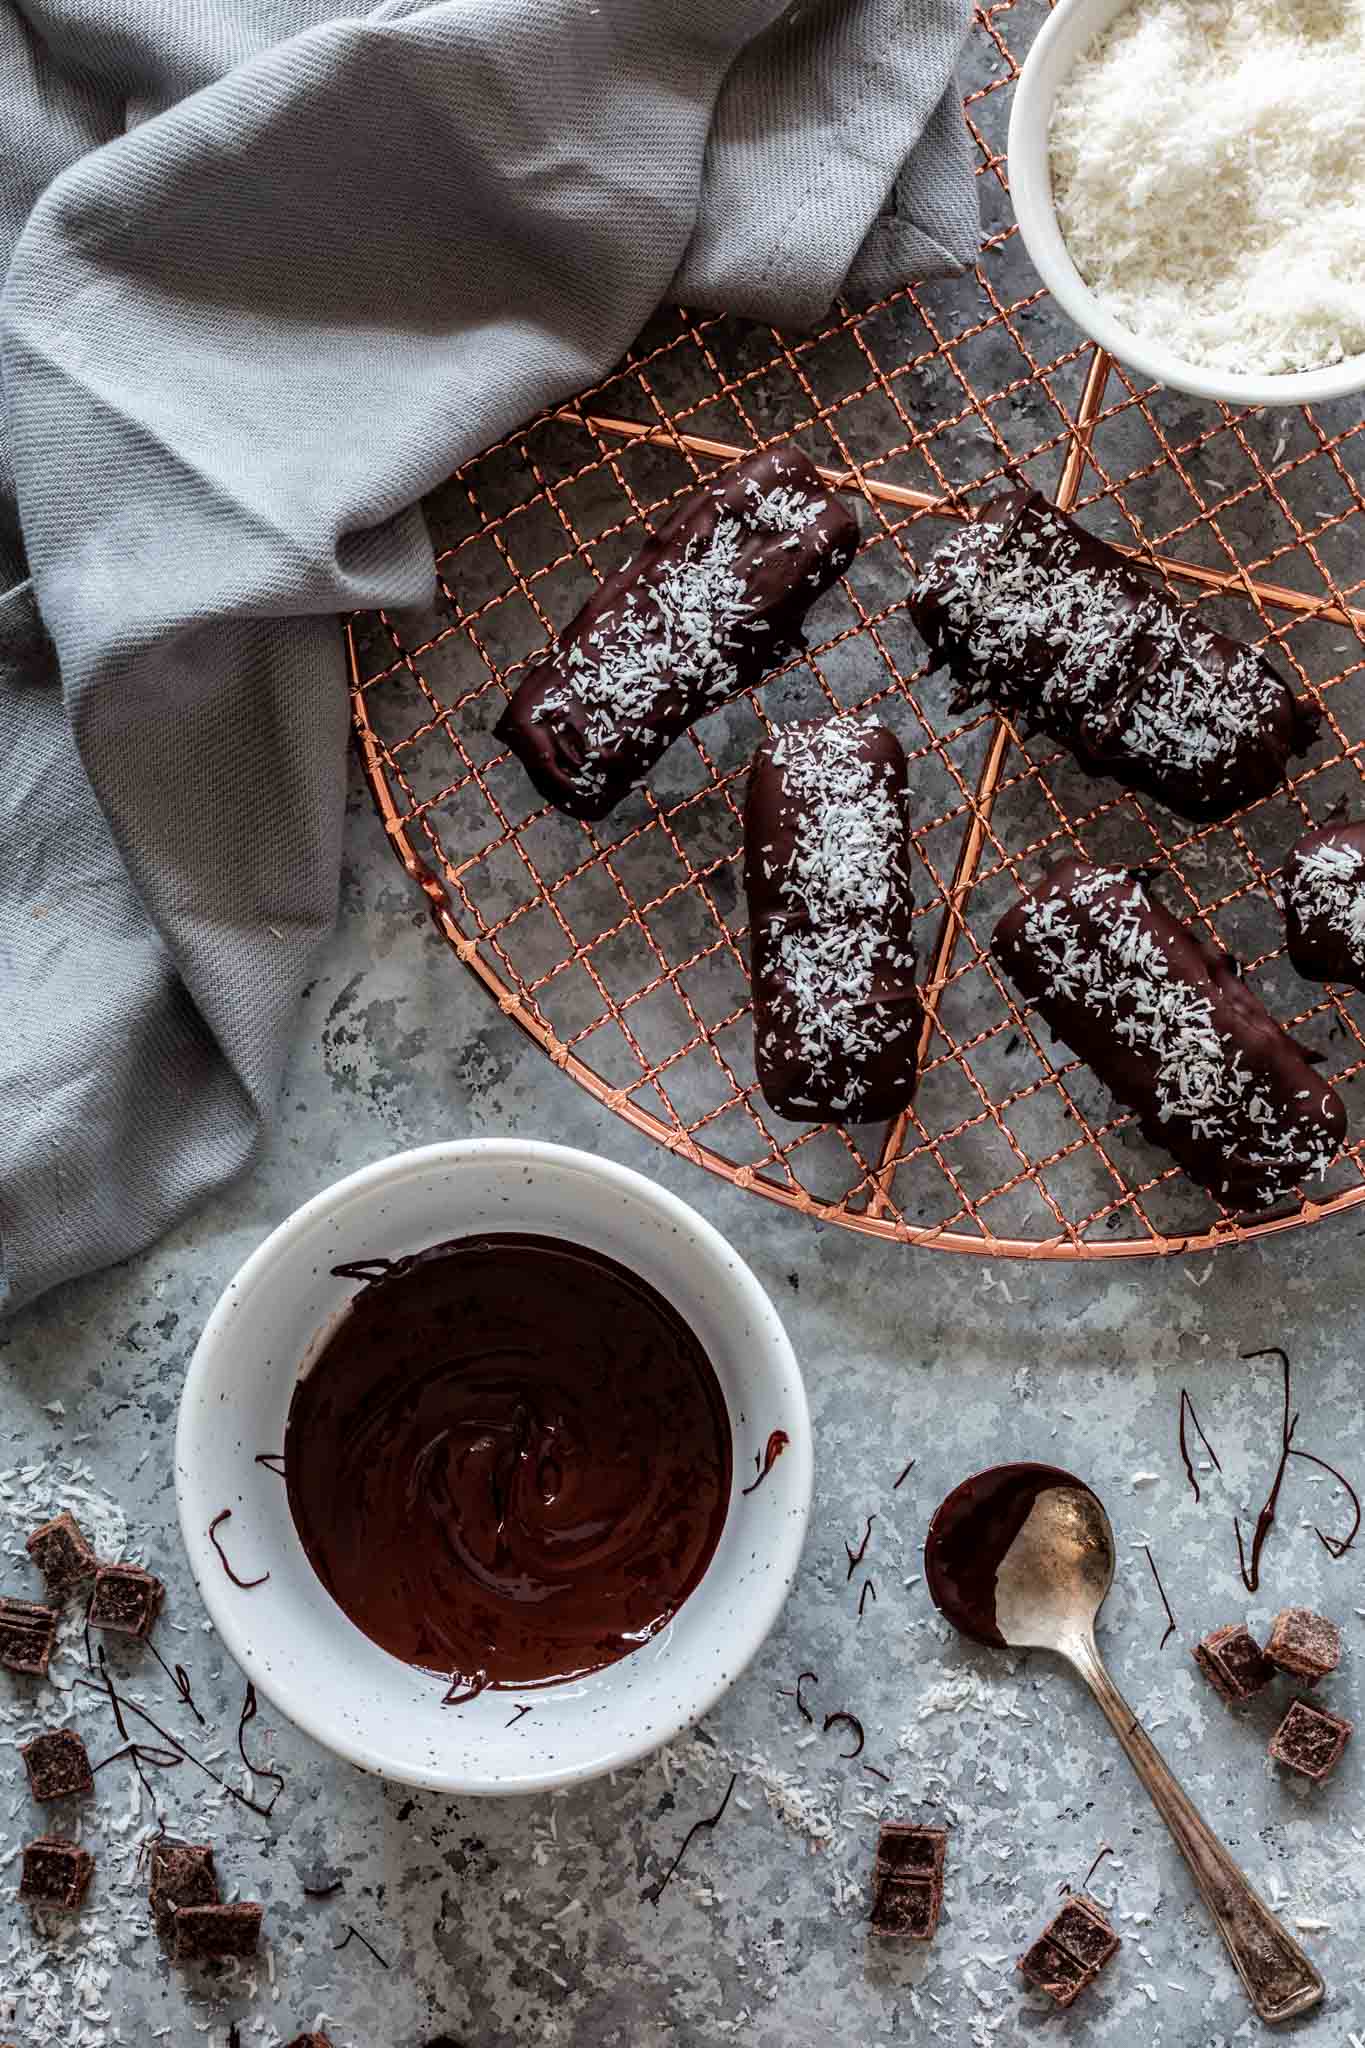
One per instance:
(1071, 26)
(290, 1637)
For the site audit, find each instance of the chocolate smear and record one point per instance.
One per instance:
(655, 1892)
(776, 1444)
(225, 1515)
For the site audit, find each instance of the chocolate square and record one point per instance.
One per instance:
(182, 1874)
(905, 1850)
(125, 1600)
(27, 1636)
(1071, 1950)
(203, 1934)
(58, 1766)
(62, 1555)
(906, 1908)
(1310, 1740)
(1054, 1971)
(1233, 1662)
(1304, 1643)
(56, 1873)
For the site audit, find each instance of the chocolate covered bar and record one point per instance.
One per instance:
(1310, 1740)
(204, 1934)
(711, 605)
(1233, 1662)
(907, 1881)
(125, 1600)
(1168, 1025)
(1061, 631)
(309, 2041)
(832, 956)
(1306, 1644)
(180, 1874)
(62, 1555)
(56, 1873)
(58, 1766)
(27, 1635)
(1324, 904)
(1071, 1950)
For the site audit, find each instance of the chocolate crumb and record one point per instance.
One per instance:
(1310, 1740)
(1234, 1662)
(126, 1600)
(1304, 1644)
(63, 1555)
(58, 1766)
(27, 1635)
(214, 1933)
(1071, 1950)
(56, 1873)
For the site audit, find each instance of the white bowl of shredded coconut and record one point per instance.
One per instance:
(1189, 179)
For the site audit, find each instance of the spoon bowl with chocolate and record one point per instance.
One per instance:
(494, 1466)
(1022, 1557)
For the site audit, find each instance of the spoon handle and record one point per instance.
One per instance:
(1279, 1978)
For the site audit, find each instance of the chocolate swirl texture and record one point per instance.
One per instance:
(710, 606)
(1324, 904)
(510, 1462)
(1169, 1026)
(1061, 632)
(831, 909)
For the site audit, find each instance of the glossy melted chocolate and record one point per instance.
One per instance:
(510, 1462)
(970, 1538)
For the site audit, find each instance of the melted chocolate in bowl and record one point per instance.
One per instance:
(510, 1462)
(971, 1536)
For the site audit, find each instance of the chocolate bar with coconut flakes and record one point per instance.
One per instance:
(1167, 1024)
(831, 910)
(1062, 632)
(710, 606)
(1071, 1951)
(1324, 904)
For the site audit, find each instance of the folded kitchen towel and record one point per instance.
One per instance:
(272, 271)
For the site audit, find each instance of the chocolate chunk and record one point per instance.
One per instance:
(62, 1555)
(1304, 1643)
(1169, 1026)
(1233, 1661)
(1071, 1950)
(1062, 632)
(58, 1766)
(180, 1874)
(309, 2041)
(905, 1850)
(1324, 904)
(711, 605)
(906, 1908)
(202, 1934)
(27, 1636)
(831, 909)
(125, 1600)
(1310, 1740)
(56, 1873)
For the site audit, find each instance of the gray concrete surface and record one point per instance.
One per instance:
(524, 1921)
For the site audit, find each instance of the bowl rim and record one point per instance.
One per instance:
(1030, 188)
(785, 1537)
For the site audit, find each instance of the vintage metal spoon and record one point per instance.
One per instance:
(1023, 1555)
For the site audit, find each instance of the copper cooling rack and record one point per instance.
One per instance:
(621, 948)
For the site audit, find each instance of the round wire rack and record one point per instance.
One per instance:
(621, 947)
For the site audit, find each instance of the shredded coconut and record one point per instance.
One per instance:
(1328, 884)
(1207, 161)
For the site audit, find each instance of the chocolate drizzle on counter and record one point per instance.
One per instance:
(655, 1892)
(855, 1728)
(868, 1587)
(904, 1476)
(1335, 1546)
(354, 1934)
(772, 1451)
(885, 1776)
(180, 1679)
(248, 1714)
(273, 1461)
(225, 1515)
(1106, 1849)
(1187, 1409)
(510, 1462)
(855, 1557)
(971, 1535)
(788, 1693)
(121, 1706)
(1170, 1618)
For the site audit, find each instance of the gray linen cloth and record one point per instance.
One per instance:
(271, 272)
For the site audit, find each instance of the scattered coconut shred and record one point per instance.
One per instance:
(1208, 170)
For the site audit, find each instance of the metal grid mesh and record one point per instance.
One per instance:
(621, 947)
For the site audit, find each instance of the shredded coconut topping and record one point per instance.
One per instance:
(1328, 884)
(1096, 946)
(847, 873)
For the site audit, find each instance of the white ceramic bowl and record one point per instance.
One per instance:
(290, 1637)
(1062, 38)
